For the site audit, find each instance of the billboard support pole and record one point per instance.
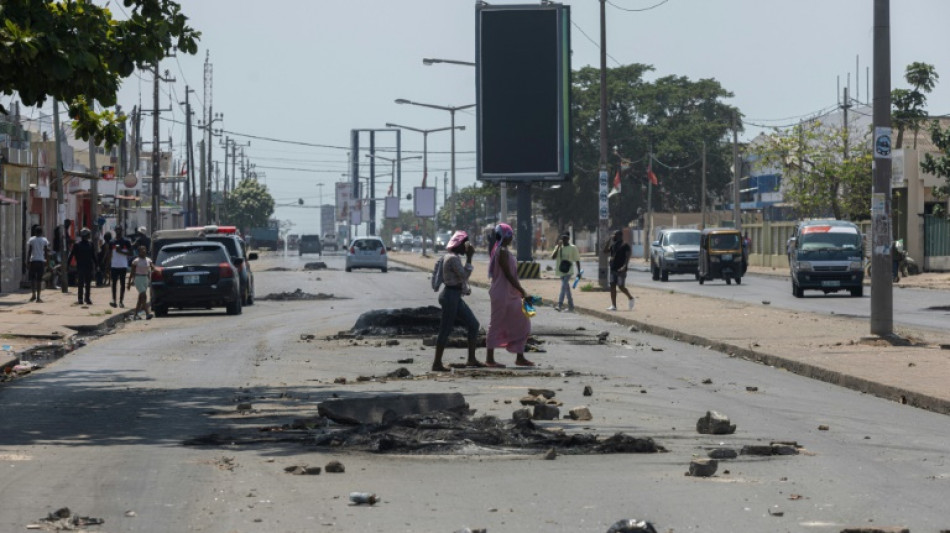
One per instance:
(525, 233)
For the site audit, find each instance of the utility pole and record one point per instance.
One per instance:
(190, 158)
(704, 186)
(94, 193)
(845, 105)
(737, 174)
(60, 201)
(156, 222)
(882, 312)
(604, 206)
(202, 215)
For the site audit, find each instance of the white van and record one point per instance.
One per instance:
(828, 256)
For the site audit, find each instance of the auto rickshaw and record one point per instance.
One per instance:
(721, 255)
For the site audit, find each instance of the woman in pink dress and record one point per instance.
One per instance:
(508, 327)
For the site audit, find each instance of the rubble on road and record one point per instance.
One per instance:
(316, 265)
(406, 321)
(773, 448)
(65, 520)
(335, 467)
(702, 467)
(390, 406)
(631, 525)
(715, 423)
(580, 413)
(297, 295)
(303, 470)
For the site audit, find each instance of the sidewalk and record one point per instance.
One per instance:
(835, 349)
(26, 325)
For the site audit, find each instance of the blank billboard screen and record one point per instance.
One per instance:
(522, 96)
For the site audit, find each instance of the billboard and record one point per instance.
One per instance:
(523, 84)
(423, 199)
(344, 198)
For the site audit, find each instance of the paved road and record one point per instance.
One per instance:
(101, 430)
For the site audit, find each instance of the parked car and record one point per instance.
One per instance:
(405, 241)
(367, 252)
(675, 251)
(826, 255)
(330, 240)
(309, 244)
(195, 275)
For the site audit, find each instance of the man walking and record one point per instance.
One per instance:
(566, 256)
(119, 255)
(620, 253)
(38, 250)
(85, 255)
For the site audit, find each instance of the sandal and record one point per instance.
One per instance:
(494, 365)
(524, 363)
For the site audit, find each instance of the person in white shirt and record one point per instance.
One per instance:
(38, 248)
(140, 274)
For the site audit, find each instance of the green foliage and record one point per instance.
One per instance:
(76, 52)
(816, 177)
(249, 206)
(672, 116)
(939, 165)
(908, 111)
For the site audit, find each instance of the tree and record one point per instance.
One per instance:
(939, 165)
(816, 177)
(249, 206)
(75, 51)
(908, 104)
(671, 116)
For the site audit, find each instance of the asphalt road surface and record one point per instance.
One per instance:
(101, 431)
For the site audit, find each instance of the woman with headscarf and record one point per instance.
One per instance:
(455, 277)
(508, 327)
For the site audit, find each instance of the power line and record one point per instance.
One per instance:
(593, 41)
(635, 10)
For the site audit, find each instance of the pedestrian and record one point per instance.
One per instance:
(85, 255)
(119, 255)
(140, 274)
(103, 267)
(566, 256)
(508, 327)
(620, 253)
(140, 238)
(38, 249)
(455, 277)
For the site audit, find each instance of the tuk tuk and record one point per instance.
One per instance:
(721, 255)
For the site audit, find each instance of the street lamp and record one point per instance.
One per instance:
(393, 161)
(431, 61)
(451, 110)
(425, 151)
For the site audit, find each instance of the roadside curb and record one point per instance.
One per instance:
(897, 394)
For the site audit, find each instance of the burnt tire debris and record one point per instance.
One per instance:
(295, 296)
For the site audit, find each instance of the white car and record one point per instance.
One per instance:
(367, 252)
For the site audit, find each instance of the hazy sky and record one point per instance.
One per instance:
(311, 70)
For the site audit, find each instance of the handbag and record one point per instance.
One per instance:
(564, 266)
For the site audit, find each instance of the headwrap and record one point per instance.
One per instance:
(459, 237)
(502, 232)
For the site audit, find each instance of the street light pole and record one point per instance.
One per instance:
(425, 153)
(451, 110)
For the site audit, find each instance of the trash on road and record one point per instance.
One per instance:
(65, 520)
(359, 498)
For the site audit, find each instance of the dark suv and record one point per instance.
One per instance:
(237, 249)
(675, 251)
(310, 244)
(196, 274)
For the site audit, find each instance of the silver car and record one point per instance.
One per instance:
(366, 252)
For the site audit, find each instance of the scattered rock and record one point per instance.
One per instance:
(244, 406)
(633, 329)
(363, 379)
(878, 530)
(766, 302)
(656, 348)
(392, 342)
(707, 381)
(377, 409)
(723, 453)
(588, 391)
(334, 467)
(702, 467)
(776, 511)
(400, 373)
(340, 381)
(580, 413)
(478, 530)
(631, 525)
(316, 265)
(130, 514)
(303, 470)
(602, 337)
(752, 389)
(823, 427)
(307, 337)
(65, 520)
(547, 393)
(550, 455)
(406, 361)
(521, 414)
(756, 449)
(715, 423)
(531, 400)
(546, 412)
(360, 498)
